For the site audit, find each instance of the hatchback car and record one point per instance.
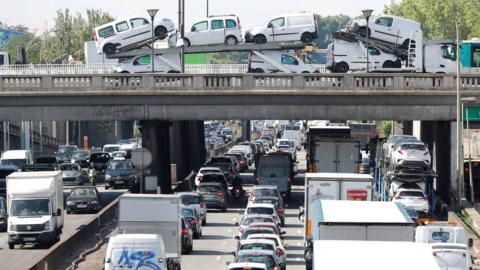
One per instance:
(214, 195)
(253, 218)
(83, 199)
(204, 170)
(273, 201)
(214, 30)
(72, 174)
(267, 257)
(265, 191)
(411, 156)
(194, 199)
(263, 209)
(257, 230)
(192, 217)
(99, 161)
(216, 178)
(412, 198)
(264, 244)
(129, 33)
(119, 173)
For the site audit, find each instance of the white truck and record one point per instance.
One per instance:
(372, 255)
(331, 149)
(356, 220)
(35, 207)
(294, 133)
(153, 214)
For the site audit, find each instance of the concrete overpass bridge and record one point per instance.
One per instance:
(232, 96)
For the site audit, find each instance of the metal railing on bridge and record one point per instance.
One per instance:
(250, 82)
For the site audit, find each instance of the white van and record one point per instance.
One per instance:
(286, 27)
(16, 157)
(214, 30)
(165, 63)
(110, 148)
(277, 61)
(129, 33)
(129, 251)
(344, 56)
(392, 29)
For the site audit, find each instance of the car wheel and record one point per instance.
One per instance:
(231, 41)
(307, 38)
(341, 67)
(186, 42)
(161, 32)
(68, 212)
(107, 187)
(11, 245)
(258, 70)
(259, 39)
(388, 64)
(224, 209)
(204, 222)
(109, 48)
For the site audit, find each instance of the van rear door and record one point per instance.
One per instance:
(274, 170)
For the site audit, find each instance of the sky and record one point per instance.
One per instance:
(251, 12)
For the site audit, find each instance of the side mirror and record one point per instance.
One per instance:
(270, 25)
(284, 232)
(470, 243)
(194, 29)
(237, 237)
(237, 224)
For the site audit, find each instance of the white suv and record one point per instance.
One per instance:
(214, 30)
(165, 63)
(412, 198)
(411, 155)
(129, 33)
(286, 27)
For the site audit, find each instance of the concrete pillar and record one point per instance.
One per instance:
(246, 130)
(408, 127)
(197, 152)
(453, 158)
(156, 138)
(179, 145)
(126, 129)
(442, 159)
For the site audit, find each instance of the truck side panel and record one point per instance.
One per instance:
(341, 232)
(356, 191)
(390, 233)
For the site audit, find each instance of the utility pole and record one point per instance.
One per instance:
(459, 152)
(207, 9)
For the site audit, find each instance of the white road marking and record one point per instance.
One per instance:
(218, 258)
(299, 231)
(224, 243)
(299, 244)
(229, 230)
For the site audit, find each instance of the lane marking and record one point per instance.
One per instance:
(218, 258)
(229, 230)
(299, 231)
(224, 243)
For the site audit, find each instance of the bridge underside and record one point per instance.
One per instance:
(200, 105)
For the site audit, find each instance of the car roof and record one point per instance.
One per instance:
(251, 252)
(258, 229)
(247, 265)
(267, 198)
(262, 205)
(188, 193)
(409, 189)
(262, 224)
(265, 235)
(257, 215)
(254, 241)
(209, 168)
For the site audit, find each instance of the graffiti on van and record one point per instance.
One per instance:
(138, 259)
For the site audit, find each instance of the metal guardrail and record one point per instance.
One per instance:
(91, 69)
(248, 82)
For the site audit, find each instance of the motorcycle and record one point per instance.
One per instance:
(237, 193)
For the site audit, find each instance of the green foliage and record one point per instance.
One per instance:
(438, 17)
(229, 58)
(68, 38)
(328, 25)
(385, 128)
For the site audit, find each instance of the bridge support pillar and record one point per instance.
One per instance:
(246, 130)
(126, 129)
(180, 144)
(197, 153)
(407, 127)
(156, 138)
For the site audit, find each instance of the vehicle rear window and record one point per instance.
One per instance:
(267, 201)
(187, 200)
(260, 210)
(106, 32)
(208, 189)
(267, 260)
(249, 221)
(292, 128)
(264, 192)
(223, 166)
(273, 169)
(257, 246)
(413, 147)
(411, 193)
(260, 231)
(231, 24)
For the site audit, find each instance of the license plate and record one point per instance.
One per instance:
(118, 182)
(29, 239)
(81, 206)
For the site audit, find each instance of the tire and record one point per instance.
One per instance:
(204, 222)
(11, 245)
(405, 44)
(173, 71)
(307, 38)
(68, 212)
(186, 42)
(109, 48)
(161, 32)
(125, 72)
(341, 67)
(258, 70)
(231, 41)
(259, 39)
(388, 64)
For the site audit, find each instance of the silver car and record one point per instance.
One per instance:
(195, 200)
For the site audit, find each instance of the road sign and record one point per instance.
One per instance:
(141, 158)
(471, 114)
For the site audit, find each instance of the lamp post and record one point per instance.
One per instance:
(367, 13)
(207, 9)
(152, 13)
(469, 100)
(459, 166)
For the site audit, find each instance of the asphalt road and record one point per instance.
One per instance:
(23, 257)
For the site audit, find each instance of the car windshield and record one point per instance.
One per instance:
(69, 167)
(209, 189)
(83, 192)
(188, 212)
(257, 246)
(80, 154)
(28, 208)
(286, 143)
(118, 165)
(16, 162)
(265, 192)
(67, 149)
(110, 149)
(246, 233)
(249, 221)
(260, 210)
(267, 260)
(419, 147)
(188, 200)
(267, 201)
(223, 166)
(123, 142)
(411, 193)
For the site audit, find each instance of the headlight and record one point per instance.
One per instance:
(93, 202)
(108, 177)
(70, 203)
(46, 226)
(13, 227)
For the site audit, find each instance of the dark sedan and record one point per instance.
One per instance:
(83, 200)
(119, 173)
(99, 161)
(81, 157)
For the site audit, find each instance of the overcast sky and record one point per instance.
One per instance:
(34, 13)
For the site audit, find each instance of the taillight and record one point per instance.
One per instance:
(184, 232)
(400, 151)
(257, 179)
(200, 177)
(284, 195)
(94, 35)
(289, 179)
(193, 221)
(280, 210)
(241, 229)
(279, 252)
(238, 22)
(399, 197)
(434, 254)
(423, 198)
(220, 194)
(466, 170)
(202, 204)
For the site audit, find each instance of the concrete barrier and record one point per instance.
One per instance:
(57, 251)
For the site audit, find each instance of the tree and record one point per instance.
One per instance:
(28, 41)
(328, 25)
(385, 128)
(438, 17)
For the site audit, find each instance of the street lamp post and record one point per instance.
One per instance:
(207, 9)
(367, 13)
(459, 167)
(469, 100)
(152, 13)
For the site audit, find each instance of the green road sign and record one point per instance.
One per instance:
(471, 114)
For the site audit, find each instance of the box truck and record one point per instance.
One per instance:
(372, 255)
(35, 207)
(156, 215)
(357, 220)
